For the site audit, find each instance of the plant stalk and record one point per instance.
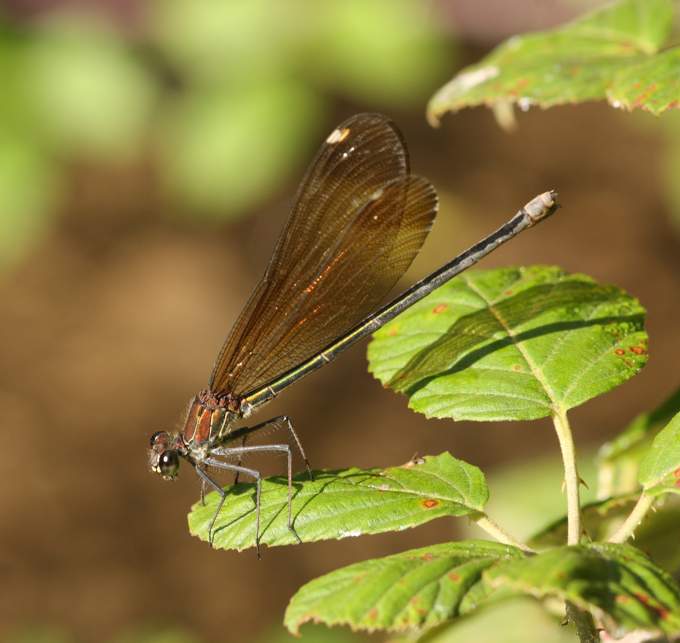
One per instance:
(627, 529)
(571, 478)
(502, 536)
(581, 619)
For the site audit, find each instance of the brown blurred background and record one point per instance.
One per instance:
(149, 152)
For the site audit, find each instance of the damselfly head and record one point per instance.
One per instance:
(163, 457)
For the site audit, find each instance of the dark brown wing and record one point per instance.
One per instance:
(358, 222)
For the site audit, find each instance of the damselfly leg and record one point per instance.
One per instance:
(277, 422)
(218, 464)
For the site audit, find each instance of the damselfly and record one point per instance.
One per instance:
(359, 219)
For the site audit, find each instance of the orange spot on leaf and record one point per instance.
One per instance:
(430, 503)
(620, 351)
(638, 350)
(427, 556)
(453, 576)
(373, 615)
(392, 331)
(660, 610)
(440, 308)
(642, 98)
(507, 293)
(676, 473)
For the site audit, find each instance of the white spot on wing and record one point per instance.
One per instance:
(338, 135)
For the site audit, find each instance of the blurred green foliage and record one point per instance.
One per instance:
(169, 634)
(227, 98)
(507, 622)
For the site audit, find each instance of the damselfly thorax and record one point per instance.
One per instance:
(209, 419)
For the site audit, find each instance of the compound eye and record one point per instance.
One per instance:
(168, 464)
(155, 437)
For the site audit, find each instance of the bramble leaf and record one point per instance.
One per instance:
(639, 433)
(416, 588)
(511, 344)
(660, 468)
(618, 583)
(608, 53)
(339, 504)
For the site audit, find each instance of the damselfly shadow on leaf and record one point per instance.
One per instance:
(359, 219)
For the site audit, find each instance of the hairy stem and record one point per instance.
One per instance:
(497, 532)
(571, 478)
(583, 622)
(626, 530)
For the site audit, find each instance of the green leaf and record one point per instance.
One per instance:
(511, 344)
(596, 519)
(596, 56)
(339, 504)
(416, 588)
(640, 432)
(660, 468)
(618, 583)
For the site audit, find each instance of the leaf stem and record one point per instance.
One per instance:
(626, 530)
(581, 619)
(571, 478)
(497, 532)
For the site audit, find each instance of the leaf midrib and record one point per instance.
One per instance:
(533, 367)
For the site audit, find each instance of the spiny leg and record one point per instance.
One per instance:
(230, 451)
(240, 458)
(206, 479)
(258, 490)
(286, 419)
(248, 430)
